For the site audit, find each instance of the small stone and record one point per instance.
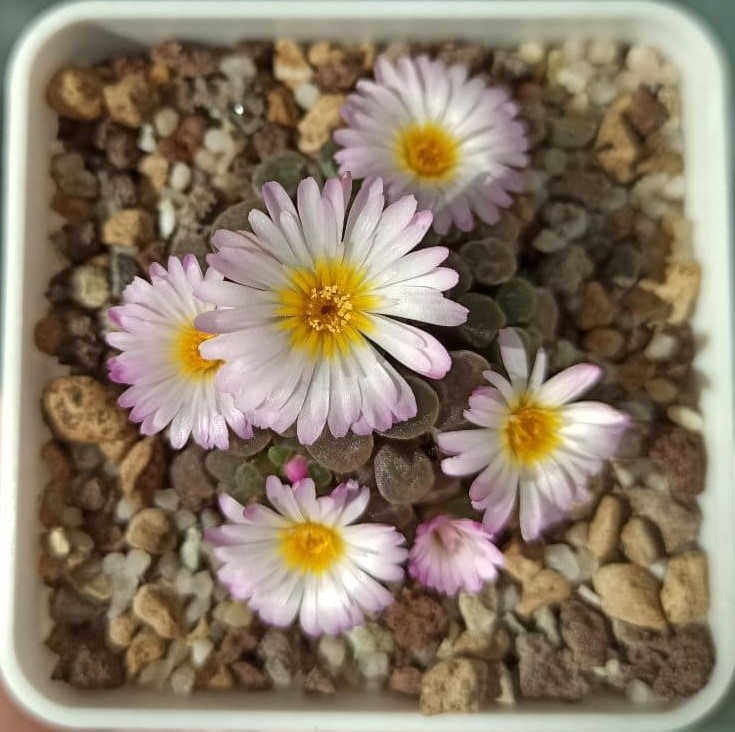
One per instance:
(236, 614)
(132, 227)
(635, 372)
(415, 620)
(640, 542)
(563, 560)
(190, 480)
(221, 679)
(605, 343)
(679, 455)
(131, 100)
(564, 271)
(518, 564)
(282, 109)
(545, 588)
(81, 409)
(638, 692)
(69, 608)
(662, 347)
(341, 454)
(250, 677)
(317, 125)
(585, 631)
(631, 593)
(604, 530)
(646, 113)
(318, 681)
(548, 673)
(152, 531)
(88, 664)
(476, 616)
(572, 133)
(182, 680)
(618, 147)
(455, 685)
(306, 94)
(72, 178)
(155, 168)
(490, 260)
(406, 680)
(166, 121)
(235, 643)
(120, 630)
(548, 241)
(289, 64)
(403, 475)
(685, 591)
(145, 648)
(160, 609)
(375, 667)
(597, 308)
(89, 286)
(587, 188)
(75, 92)
(679, 289)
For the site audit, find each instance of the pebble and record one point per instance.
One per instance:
(679, 455)
(166, 499)
(531, 52)
(563, 560)
(306, 95)
(638, 692)
(546, 587)
(166, 217)
(333, 651)
(416, 621)
(545, 622)
(476, 616)
(374, 666)
(584, 630)
(547, 241)
(645, 64)
(182, 680)
(631, 593)
(662, 347)
(152, 531)
(686, 417)
(179, 177)
(121, 629)
(369, 638)
(571, 133)
(454, 685)
(57, 543)
(200, 651)
(604, 529)
(160, 609)
(130, 100)
(405, 680)
(147, 140)
(640, 542)
(191, 548)
(145, 648)
(130, 227)
(316, 126)
(546, 672)
(289, 64)
(234, 613)
(166, 121)
(75, 92)
(685, 590)
(617, 146)
(184, 519)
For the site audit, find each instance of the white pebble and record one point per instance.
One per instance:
(166, 218)
(602, 52)
(178, 651)
(137, 562)
(561, 558)
(661, 347)
(575, 77)
(306, 95)
(639, 692)
(184, 518)
(531, 52)
(656, 481)
(58, 543)
(155, 674)
(675, 189)
(218, 140)
(125, 509)
(202, 584)
(237, 67)
(574, 49)
(166, 121)
(236, 614)
(168, 565)
(374, 665)
(548, 241)
(658, 569)
(182, 680)
(167, 499)
(589, 595)
(588, 565)
(601, 92)
(200, 650)
(477, 618)
(183, 582)
(644, 62)
(197, 608)
(333, 650)
(507, 691)
(190, 549)
(513, 624)
(627, 81)
(113, 563)
(545, 621)
(180, 176)
(509, 597)
(685, 417)
(209, 518)
(147, 138)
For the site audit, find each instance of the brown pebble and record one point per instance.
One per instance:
(187, 60)
(618, 147)
(646, 113)
(282, 109)
(152, 531)
(76, 92)
(662, 391)
(49, 334)
(679, 289)
(184, 143)
(546, 587)
(190, 479)
(317, 125)
(585, 631)
(645, 306)
(519, 562)
(89, 494)
(596, 308)
(455, 685)
(155, 167)
(406, 680)
(679, 455)
(145, 648)
(604, 530)
(415, 620)
(635, 372)
(235, 643)
(631, 593)
(82, 409)
(606, 343)
(640, 542)
(161, 609)
(685, 591)
(318, 681)
(250, 677)
(221, 679)
(121, 629)
(547, 673)
(131, 227)
(142, 470)
(289, 64)
(89, 664)
(131, 100)
(270, 140)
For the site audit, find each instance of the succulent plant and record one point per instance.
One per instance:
(484, 320)
(287, 169)
(341, 454)
(455, 388)
(235, 218)
(247, 448)
(491, 261)
(403, 474)
(249, 483)
(427, 404)
(462, 268)
(546, 314)
(325, 159)
(517, 299)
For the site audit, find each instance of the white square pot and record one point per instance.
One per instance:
(85, 32)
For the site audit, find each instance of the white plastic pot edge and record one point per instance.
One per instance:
(15, 177)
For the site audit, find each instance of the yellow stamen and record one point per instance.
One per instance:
(187, 356)
(311, 548)
(531, 432)
(427, 151)
(324, 308)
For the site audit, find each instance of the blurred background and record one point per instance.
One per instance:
(15, 15)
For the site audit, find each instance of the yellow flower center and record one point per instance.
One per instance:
(187, 356)
(531, 432)
(311, 548)
(427, 151)
(324, 308)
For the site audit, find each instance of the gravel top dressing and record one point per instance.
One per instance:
(351, 447)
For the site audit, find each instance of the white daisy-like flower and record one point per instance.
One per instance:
(531, 442)
(449, 555)
(308, 557)
(430, 130)
(171, 382)
(314, 289)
